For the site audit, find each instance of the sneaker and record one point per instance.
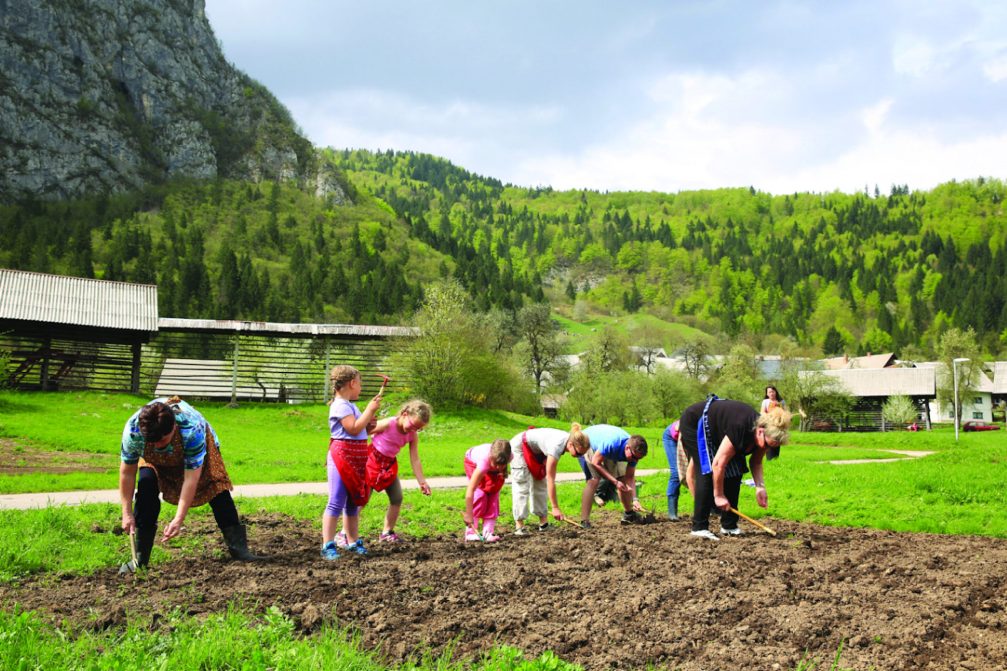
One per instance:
(731, 532)
(491, 538)
(598, 501)
(389, 537)
(521, 531)
(329, 551)
(358, 547)
(342, 542)
(472, 536)
(629, 517)
(543, 527)
(585, 524)
(705, 533)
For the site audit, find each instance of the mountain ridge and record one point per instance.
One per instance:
(111, 95)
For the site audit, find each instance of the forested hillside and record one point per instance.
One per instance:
(868, 272)
(863, 272)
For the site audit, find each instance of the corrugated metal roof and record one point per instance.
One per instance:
(983, 383)
(78, 301)
(873, 361)
(172, 323)
(865, 382)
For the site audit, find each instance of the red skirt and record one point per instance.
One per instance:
(350, 458)
(382, 470)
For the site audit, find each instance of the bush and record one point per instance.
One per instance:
(629, 398)
(452, 362)
(899, 410)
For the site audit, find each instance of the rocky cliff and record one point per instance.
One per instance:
(108, 95)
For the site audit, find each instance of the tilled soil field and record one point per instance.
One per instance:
(611, 597)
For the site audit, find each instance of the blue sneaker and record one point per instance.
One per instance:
(357, 546)
(329, 551)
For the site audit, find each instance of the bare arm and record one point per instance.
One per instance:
(189, 483)
(355, 425)
(550, 483)
(723, 457)
(127, 483)
(596, 461)
(755, 463)
(414, 459)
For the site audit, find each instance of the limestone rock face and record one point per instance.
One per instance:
(108, 95)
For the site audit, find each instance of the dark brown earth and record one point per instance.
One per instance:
(611, 597)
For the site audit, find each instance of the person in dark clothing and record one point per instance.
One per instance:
(719, 435)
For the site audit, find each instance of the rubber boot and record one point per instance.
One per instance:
(144, 539)
(673, 508)
(237, 543)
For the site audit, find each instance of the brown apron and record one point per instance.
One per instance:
(170, 469)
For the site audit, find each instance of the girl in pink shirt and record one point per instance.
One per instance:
(387, 440)
(486, 468)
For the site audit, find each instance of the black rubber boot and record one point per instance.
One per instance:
(237, 543)
(673, 508)
(144, 539)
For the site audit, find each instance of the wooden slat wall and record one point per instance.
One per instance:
(72, 364)
(269, 368)
(272, 369)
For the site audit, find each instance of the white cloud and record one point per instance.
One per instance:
(692, 141)
(874, 117)
(914, 56)
(995, 69)
(374, 119)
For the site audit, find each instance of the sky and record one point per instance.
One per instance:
(650, 95)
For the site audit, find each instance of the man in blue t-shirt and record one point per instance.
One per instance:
(612, 457)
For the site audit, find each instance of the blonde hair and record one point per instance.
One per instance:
(775, 423)
(500, 453)
(418, 409)
(341, 376)
(581, 443)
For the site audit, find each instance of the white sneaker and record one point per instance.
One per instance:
(521, 531)
(731, 532)
(705, 533)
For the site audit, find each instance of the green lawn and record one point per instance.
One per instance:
(261, 443)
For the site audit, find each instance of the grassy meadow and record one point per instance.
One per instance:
(955, 490)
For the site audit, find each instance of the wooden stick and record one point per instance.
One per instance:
(570, 521)
(132, 548)
(758, 524)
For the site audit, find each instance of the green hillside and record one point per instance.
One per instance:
(872, 272)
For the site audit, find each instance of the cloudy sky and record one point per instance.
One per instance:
(648, 94)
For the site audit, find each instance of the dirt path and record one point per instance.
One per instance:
(612, 597)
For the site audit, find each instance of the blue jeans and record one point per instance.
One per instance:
(671, 451)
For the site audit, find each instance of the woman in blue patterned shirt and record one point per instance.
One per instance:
(177, 455)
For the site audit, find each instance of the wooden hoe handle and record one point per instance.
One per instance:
(758, 524)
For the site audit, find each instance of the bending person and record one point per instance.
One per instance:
(533, 472)
(177, 455)
(669, 439)
(718, 435)
(613, 456)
